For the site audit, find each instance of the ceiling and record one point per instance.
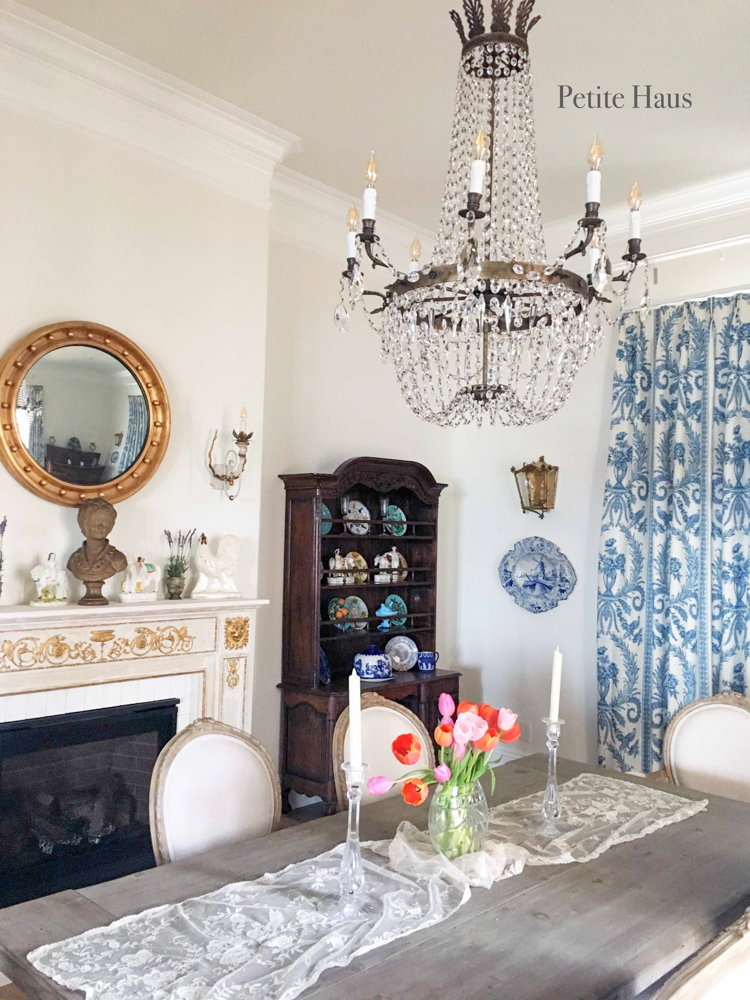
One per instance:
(351, 75)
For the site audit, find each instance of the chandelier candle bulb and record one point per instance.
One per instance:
(479, 165)
(355, 721)
(370, 198)
(352, 221)
(554, 695)
(635, 201)
(594, 179)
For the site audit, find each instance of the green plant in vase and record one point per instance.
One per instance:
(459, 817)
(177, 564)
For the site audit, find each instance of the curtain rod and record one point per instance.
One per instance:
(698, 298)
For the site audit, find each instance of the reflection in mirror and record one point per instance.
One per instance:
(82, 415)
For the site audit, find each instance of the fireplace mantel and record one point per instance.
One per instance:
(45, 649)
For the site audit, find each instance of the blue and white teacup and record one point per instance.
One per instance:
(427, 661)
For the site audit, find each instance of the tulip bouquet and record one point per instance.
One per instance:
(459, 816)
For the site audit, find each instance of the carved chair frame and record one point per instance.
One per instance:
(711, 964)
(15, 366)
(370, 700)
(197, 729)
(725, 698)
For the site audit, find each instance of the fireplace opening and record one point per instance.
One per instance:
(74, 793)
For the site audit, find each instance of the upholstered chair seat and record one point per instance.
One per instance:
(212, 785)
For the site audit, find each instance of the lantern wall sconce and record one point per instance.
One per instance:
(228, 473)
(537, 486)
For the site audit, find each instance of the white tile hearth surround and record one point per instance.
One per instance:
(54, 662)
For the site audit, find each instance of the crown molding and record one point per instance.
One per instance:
(678, 223)
(67, 76)
(313, 215)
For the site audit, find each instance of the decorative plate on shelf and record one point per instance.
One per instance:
(402, 652)
(326, 524)
(339, 613)
(354, 560)
(397, 605)
(395, 521)
(537, 575)
(357, 609)
(324, 667)
(357, 512)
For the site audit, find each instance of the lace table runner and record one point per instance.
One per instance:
(272, 938)
(603, 812)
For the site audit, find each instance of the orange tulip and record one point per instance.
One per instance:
(468, 706)
(415, 791)
(406, 749)
(444, 735)
(511, 735)
(489, 714)
(488, 742)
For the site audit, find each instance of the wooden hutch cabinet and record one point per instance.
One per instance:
(310, 708)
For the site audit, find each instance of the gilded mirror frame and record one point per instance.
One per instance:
(15, 366)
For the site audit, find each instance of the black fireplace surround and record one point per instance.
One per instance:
(74, 797)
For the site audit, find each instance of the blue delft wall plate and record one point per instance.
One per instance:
(537, 575)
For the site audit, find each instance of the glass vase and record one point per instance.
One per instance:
(458, 820)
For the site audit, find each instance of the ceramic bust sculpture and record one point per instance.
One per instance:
(96, 560)
(141, 582)
(51, 583)
(216, 571)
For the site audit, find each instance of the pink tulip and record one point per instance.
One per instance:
(442, 773)
(480, 727)
(459, 752)
(446, 706)
(506, 719)
(463, 730)
(379, 785)
(446, 721)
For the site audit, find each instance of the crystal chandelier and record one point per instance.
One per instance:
(491, 328)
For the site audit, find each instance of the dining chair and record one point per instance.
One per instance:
(720, 971)
(707, 746)
(212, 785)
(382, 722)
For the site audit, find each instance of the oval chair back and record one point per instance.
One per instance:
(707, 747)
(212, 785)
(382, 722)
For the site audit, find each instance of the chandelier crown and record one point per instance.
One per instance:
(502, 12)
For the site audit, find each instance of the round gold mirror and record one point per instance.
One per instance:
(83, 413)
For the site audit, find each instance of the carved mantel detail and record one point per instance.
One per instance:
(104, 645)
(236, 633)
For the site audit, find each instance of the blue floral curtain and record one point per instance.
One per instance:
(675, 556)
(135, 437)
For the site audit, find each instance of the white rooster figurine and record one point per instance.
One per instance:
(216, 572)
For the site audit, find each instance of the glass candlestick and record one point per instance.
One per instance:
(383, 514)
(549, 824)
(352, 874)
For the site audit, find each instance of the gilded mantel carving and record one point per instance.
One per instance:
(236, 633)
(103, 645)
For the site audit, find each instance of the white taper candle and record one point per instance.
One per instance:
(370, 200)
(554, 695)
(594, 186)
(355, 721)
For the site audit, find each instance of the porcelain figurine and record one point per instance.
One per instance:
(386, 613)
(96, 560)
(373, 664)
(216, 571)
(51, 583)
(390, 564)
(141, 582)
(336, 562)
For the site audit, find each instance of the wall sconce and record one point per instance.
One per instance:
(229, 472)
(537, 486)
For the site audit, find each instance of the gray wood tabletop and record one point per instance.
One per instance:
(605, 929)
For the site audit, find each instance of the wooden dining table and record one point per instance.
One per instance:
(608, 928)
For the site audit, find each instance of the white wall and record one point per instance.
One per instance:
(91, 232)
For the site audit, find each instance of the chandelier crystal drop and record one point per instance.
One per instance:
(490, 328)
